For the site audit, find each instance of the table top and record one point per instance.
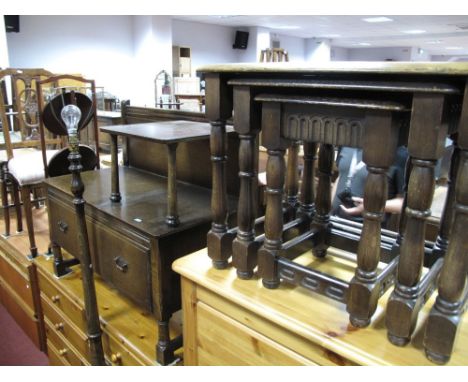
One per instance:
(318, 319)
(144, 199)
(163, 131)
(425, 68)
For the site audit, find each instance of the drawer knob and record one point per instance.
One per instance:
(63, 227)
(63, 352)
(121, 264)
(116, 358)
(55, 299)
(59, 326)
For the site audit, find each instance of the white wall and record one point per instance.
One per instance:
(380, 54)
(210, 44)
(97, 47)
(418, 54)
(152, 42)
(249, 54)
(317, 50)
(4, 61)
(449, 58)
(293, 45)
(339, 54)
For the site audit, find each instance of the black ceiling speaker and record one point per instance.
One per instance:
(241, 40)
(12, 23)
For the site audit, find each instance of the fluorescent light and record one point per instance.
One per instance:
(434, 42)
(362, 43)
(330, 36)
(414, 31)
(287, 27)
(379, 19)
(454, 47)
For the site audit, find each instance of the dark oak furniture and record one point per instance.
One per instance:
(132, 246)
(375, 106)
(170, 134)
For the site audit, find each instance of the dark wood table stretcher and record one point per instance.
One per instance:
(373, 106)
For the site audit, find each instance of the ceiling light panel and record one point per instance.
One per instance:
(415, 31)
(380, 19)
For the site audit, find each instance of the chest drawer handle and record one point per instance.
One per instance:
(63, 352)
(59, 326)
(63, 227)
(121, 264)
(116, 358)
(55, 299)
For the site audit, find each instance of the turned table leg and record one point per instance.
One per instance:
(292, 175)
(244, 248)
(425, 145)
(445, 315)
(379, 147)
(115, 191)
(321, 219)
(276, 169)
(306, 197)
(219, 242)
(165, 348)
(172, 218)
(441, 244)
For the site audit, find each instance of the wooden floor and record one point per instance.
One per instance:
(132, 326)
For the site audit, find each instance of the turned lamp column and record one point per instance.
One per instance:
(71, 116)
(247, 125)
(380, 138)
(218, 109)
(445, 315)
(425, 146)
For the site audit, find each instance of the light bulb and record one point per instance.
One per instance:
(71, 115)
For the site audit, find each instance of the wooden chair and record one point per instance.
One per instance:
(17, 114)
(274, 55)
(27, 172)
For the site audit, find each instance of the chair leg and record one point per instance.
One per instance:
(26, 197)
(17, 202)
(36, 194)
(6, 209)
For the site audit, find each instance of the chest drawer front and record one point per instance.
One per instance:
(246, 346)
(61, 302)
(117, 354)
(63, 349)
(54, 358)
(59, 324)
(124, 264)
(62, 225)
(15, 279)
